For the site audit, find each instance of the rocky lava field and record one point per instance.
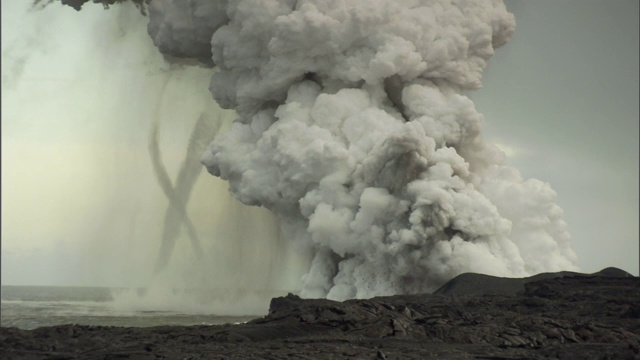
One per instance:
(554, 315)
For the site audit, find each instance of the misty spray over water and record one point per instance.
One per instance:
(159, 221)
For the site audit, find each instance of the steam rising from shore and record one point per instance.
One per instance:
(353, 128)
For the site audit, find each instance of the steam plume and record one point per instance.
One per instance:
(353, 128)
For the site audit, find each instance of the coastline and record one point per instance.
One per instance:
(570, 317)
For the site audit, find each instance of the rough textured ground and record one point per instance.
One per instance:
(570, 317)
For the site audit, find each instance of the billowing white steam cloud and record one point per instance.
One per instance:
(354, 130)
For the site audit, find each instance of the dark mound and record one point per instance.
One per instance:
(472, 283)
(566, 316)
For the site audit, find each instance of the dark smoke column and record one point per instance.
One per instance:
(353, 129)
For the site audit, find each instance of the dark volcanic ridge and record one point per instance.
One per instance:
(473, 283)
(562, 315)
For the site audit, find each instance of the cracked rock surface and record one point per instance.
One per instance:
(570, 316)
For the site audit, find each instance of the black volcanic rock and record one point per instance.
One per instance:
(561, 315)
(472, 283)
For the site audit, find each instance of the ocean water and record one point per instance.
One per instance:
(30, 307)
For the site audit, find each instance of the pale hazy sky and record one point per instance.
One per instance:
(563, 93)
(561, 99)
